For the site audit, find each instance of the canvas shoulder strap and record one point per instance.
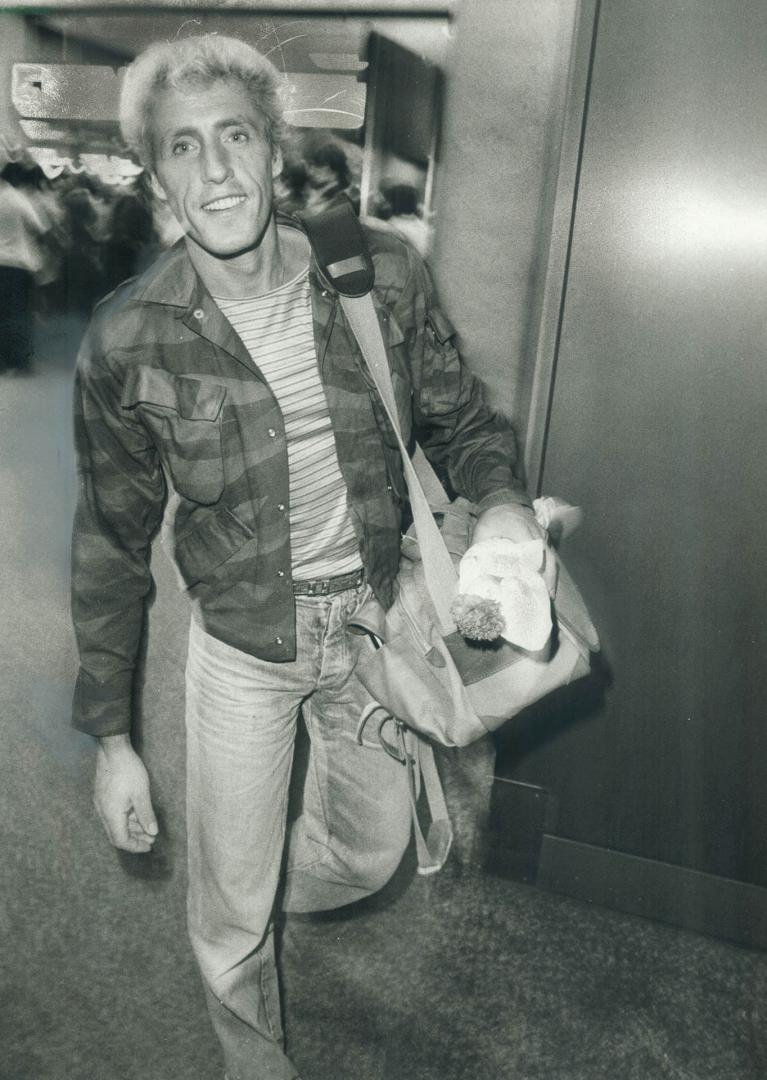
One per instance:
(343, 260)
(340, 250)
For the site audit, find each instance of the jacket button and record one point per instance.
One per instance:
(271, 432)
(280, 573)
(278, 641)
(199, 314)
(280, 506)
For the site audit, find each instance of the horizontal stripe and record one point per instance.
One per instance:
(278, 332)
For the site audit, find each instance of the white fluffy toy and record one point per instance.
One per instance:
(505, 586)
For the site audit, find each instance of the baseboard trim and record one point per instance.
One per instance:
(716, 906)
(520, 813)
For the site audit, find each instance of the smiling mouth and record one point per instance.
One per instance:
(226, 203)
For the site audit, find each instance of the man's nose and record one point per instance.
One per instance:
(215, 164)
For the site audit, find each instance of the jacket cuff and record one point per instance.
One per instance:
(506, 497)
(101, 710)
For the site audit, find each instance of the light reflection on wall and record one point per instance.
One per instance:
(674, 220)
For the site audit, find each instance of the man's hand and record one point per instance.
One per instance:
(517, 523)
(510, 520)
(121, 795)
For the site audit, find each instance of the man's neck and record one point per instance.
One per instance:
(252, 273)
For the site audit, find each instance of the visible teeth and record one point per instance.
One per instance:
(224, 204)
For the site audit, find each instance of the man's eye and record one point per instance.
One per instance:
(180, 148)
(238, 136)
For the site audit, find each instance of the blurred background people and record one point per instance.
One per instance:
(81, 272)
(328, 174)
(290, 187)
(131, 242)
(402, 203)
(23, 260)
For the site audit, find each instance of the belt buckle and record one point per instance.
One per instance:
(311, 588)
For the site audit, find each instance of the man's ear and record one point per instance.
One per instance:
(157, 189)
(277, 162)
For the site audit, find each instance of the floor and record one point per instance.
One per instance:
(463, 975)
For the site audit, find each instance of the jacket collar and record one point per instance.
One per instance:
(172, 281)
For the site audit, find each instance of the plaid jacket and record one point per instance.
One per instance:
(171, 417)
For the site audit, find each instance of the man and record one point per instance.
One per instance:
(226, 381)
(328, 174)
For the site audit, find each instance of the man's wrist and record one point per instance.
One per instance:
(113, 746)
(513, 497)
(510, 521)
(506, 510)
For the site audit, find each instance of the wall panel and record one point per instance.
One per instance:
(506, 89)
(657, 430)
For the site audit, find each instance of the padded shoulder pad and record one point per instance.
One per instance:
(339, 246)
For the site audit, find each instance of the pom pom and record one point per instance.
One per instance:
(477, 618)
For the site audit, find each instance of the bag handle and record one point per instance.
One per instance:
(417, 755)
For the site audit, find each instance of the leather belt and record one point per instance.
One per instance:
(329, 586)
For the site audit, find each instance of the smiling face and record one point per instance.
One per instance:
(214, 167)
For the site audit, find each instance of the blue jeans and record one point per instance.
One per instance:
(241, 716)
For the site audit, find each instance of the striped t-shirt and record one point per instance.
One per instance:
(278, 331)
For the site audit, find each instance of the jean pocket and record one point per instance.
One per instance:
(184, 417)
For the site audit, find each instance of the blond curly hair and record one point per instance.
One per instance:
(189, 64)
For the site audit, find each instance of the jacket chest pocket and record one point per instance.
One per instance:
(184, 417)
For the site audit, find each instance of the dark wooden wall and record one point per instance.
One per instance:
(658, 430)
